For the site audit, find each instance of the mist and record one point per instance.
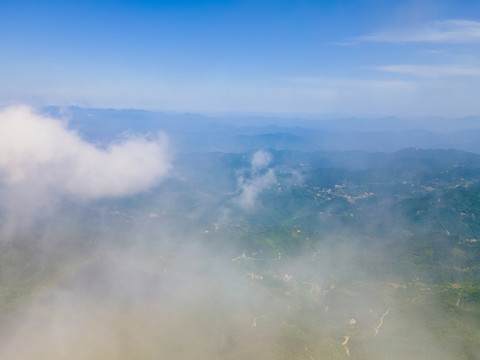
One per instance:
(130, 248)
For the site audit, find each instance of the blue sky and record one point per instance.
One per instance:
(361, 58)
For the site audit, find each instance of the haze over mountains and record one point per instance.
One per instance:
(193, 132)
(131, 234)
(231, 180)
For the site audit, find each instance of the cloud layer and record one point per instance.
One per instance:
(40, 152)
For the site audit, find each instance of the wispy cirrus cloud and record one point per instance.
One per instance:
(446, 31)
(334, 83)
(429, 71)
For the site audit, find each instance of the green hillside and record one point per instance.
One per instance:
(344, 255)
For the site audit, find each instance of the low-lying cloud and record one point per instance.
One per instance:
(259, 180)
(42, 153)
(261, 159)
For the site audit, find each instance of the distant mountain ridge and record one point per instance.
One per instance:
(192, 132)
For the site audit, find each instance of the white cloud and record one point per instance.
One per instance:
(261, 159)
(431, 71)
(334, 83)
(39, 152)
(447, 31)
(260, 179)
(253, 187)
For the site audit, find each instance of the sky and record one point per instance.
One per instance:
(354, 58)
